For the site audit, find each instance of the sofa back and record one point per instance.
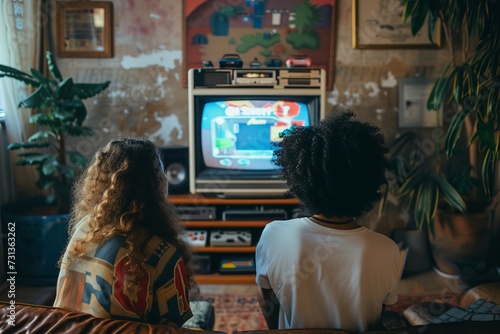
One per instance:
(35, 319)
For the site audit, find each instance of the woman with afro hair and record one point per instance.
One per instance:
(325, 270)
(126, 258)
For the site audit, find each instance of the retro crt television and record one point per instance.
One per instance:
(232, 132)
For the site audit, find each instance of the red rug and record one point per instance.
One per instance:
(242, 312)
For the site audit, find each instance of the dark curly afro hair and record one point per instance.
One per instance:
(335, 168)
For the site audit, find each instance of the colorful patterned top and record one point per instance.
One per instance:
(99, 282)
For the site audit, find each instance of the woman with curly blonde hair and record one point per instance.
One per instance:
(126, 258)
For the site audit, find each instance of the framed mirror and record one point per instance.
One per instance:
(84, 29)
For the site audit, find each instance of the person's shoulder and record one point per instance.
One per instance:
(382, 239)
(283, 223)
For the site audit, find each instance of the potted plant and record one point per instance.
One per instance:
(455, 182)
(59, 113)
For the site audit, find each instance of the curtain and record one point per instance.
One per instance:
(20, 26)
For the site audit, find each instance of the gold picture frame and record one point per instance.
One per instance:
(378, 24)
(84, 29)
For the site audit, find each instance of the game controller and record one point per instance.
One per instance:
(230, 238)
(197, 238)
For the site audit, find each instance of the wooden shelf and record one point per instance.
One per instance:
(228, 249)
(199, 200)
(225, 279)
(225, 223)
(215, 253)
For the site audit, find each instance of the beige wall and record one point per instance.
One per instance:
(146, 97)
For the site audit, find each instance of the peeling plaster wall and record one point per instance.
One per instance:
(146, 97)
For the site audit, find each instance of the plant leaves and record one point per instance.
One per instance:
(65, 89)
(38, 144)
(486, 134)
(7, 71)
(42, 134)
(32, 158)
(412, 182)
(36, 99)
(68, 172)
(77, 159)
(454, 130)
(432, 26)
(53, 69)
(449, 194)
(86, 90)
(419, 15)
(49, 165)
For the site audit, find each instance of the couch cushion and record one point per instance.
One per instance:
(35, 319)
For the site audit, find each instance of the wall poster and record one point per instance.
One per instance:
(261, 32)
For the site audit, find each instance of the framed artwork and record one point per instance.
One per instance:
(413, 112)
(84, 29)
(263, 33)
(378, 24)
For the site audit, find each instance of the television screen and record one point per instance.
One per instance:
(239, 134)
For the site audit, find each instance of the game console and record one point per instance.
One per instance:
(197, 238)
(230, 238)
(237, 265)
(187, 212)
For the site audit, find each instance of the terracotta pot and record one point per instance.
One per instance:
(462, 242)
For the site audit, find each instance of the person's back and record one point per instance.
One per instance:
(126, 258)
(326, 271)
(100, 283)
(328, 278)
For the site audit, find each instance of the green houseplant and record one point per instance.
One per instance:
(58, 113)
(468, 91)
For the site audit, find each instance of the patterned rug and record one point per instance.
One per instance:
(406, 301)
(235, 312)
(242, 312)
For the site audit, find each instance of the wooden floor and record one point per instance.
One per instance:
(421, 284)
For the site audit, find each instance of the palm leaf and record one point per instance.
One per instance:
(454, 130)
(36, 99)
(449, 194)
(53, 69)
(87, 90)
(419, 15)
(38, 144)
(7, 71)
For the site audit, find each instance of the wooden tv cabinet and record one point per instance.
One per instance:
(255, 226)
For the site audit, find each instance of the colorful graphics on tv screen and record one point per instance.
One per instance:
(239, 134)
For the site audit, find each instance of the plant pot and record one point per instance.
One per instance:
(462, 243)
(40, 240)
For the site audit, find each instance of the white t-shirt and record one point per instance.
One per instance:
(327, 278)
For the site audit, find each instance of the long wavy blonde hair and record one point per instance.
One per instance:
(124, 190)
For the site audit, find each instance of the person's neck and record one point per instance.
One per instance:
(339, 223)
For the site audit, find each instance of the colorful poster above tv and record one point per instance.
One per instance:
(262, 33)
